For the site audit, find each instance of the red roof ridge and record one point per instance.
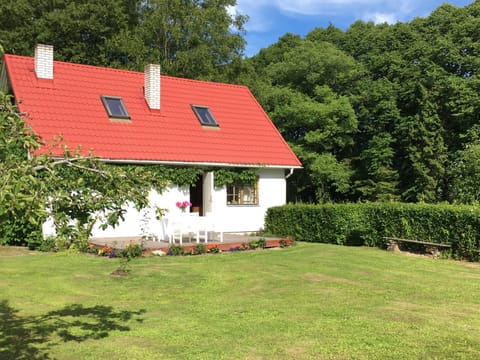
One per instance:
(77, 64)
(209, 82)
(136, 72)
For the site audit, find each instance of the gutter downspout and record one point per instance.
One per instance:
(289, 174)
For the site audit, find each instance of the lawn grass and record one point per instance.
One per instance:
(310, 301)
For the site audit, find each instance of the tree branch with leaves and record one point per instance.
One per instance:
(77, 191)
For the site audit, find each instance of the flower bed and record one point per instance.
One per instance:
(197, 249)
(131, 250)
(135, 250)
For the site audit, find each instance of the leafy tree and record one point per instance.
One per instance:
(275, 52)
(190, 38)
(303, 101)
(376, 177)
(380, 179)
(421, 155)
(20, 214)
(465, 173)
(76, 191)
(316, 129)
(79, 30)
(330, 177)
(310, 64)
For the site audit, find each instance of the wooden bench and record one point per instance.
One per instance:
(431, 248)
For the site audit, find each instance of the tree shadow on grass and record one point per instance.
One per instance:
(31, 337)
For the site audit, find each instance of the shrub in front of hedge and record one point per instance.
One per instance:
(368, 223)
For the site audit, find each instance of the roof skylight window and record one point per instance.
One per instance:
(204, 115)
(115, 107)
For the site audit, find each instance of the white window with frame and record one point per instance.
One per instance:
(242, 194)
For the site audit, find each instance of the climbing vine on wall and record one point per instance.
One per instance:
(229, 176)
(188, 176)
(182, 176)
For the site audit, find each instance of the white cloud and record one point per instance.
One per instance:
(257, 13)
(270, 19)
(379, 11)
(380, 18)
(316, 7)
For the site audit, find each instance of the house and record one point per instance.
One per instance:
(149, 118)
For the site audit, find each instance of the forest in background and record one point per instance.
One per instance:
(375, 112)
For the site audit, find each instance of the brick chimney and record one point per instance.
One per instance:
(44, 61)
(152, 86)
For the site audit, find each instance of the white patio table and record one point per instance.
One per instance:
(189, 225)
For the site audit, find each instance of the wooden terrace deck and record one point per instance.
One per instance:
(229, 241)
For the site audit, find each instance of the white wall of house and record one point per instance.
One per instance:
(250, 218)
(144, 222)
(228, 218)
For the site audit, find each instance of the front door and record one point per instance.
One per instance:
(196, 196)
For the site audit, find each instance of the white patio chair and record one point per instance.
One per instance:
(202, 229)
(187, 226)
(213, 225)
(161, 229)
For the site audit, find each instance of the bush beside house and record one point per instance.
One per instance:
(368, 224)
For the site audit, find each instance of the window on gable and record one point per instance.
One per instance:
(115, 107)
(242, 194)
(204, 115)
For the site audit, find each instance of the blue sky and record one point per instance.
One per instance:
(271, 19)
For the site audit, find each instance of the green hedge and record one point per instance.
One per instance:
(367, 224)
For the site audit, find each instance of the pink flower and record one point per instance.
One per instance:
(183, 205)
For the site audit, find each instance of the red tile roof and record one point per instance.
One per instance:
(70, 106)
